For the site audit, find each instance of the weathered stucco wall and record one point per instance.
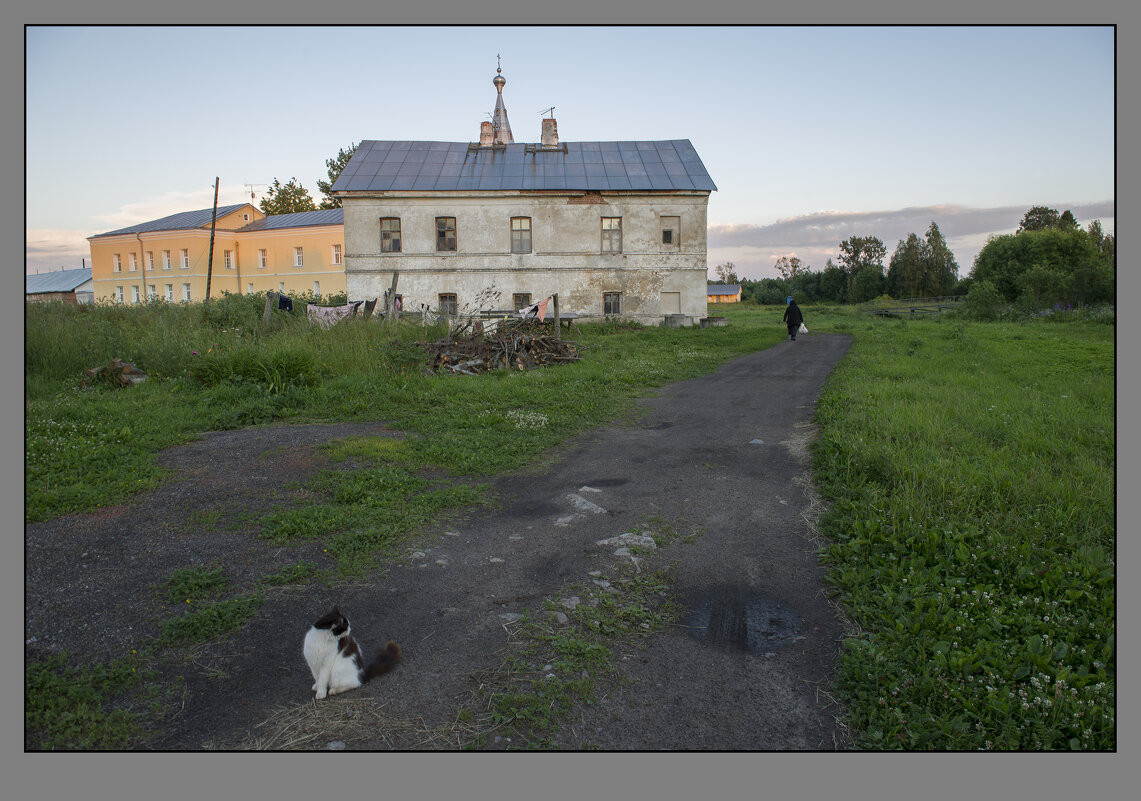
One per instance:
(566, 257)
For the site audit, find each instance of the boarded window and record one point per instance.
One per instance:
(671, 232)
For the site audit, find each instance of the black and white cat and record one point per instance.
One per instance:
(335, 658)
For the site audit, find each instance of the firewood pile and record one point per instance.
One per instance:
(513, 348)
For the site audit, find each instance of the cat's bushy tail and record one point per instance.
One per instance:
(386, 659)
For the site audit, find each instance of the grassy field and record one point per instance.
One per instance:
(968, 468)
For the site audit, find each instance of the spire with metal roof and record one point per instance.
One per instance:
(499, 121)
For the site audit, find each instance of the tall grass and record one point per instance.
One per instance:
(970, 473)
(219, 368)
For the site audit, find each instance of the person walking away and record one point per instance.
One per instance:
(793, 318)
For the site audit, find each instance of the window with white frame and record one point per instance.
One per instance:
(116, 262)
(168, 291)
(298, 257)
(336, 254)
(280, 286)
(166, 259)
(250, 288)
(151, 294)
(184, 255)
(134, 294)
(133, 261)
(611, 234)
(119, 294)
(228, 259)
(317, 289)
(263, 259)
(150, 260)
(389, 234)
(186, 291)
(520, 234)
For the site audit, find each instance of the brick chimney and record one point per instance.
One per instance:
(550, 135)
(486, 133)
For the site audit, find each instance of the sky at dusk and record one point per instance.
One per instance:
(812, 134)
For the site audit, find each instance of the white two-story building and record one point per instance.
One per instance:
(614, 228)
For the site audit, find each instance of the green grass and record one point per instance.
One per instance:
(92, 446)
(300, 572)
(553, 668)
(969, 470)
(71, 709)
(211, 620)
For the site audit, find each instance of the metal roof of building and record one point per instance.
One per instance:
(723, 289)
(582, 166)
(182, 220)
(297, 220)
(58, 281)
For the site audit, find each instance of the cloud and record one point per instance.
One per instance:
(815, 238)
(47, 249)
(168, 203)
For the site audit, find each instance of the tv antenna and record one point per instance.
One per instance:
(251, 188)
(547, 112)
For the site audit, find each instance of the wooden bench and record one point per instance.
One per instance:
(565, 319)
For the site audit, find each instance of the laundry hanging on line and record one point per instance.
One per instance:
(328, 316)
(537, 309)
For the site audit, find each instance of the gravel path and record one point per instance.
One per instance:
(724, 456)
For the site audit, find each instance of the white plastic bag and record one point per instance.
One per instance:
(803, 329)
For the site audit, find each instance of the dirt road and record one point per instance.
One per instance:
(724, 457)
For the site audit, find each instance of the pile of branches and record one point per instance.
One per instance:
(508, 348)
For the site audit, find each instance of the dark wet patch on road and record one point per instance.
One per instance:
(741, 619)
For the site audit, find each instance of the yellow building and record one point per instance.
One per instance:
(723, 293)
(170, 258)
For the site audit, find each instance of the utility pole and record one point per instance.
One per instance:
(213, 220)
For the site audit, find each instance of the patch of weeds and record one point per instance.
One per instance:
(192, 584)
(370, 449)
(664, 531)
(300, 572)
(307, 523)
(70, 709)
(212, 620)
(554, 667)
(369, 511)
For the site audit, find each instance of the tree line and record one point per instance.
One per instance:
(1049, 260)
